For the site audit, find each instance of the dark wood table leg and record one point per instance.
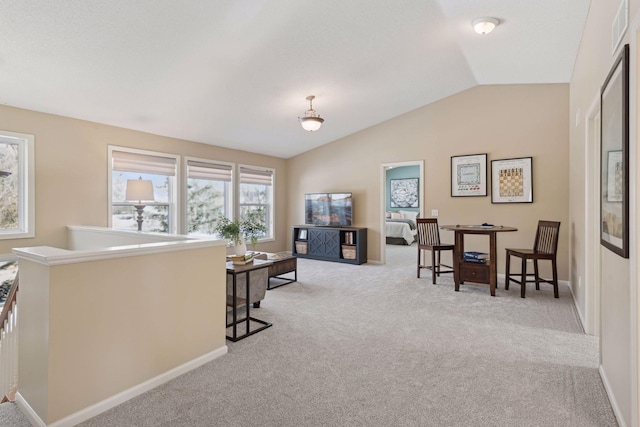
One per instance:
(493, 271)
(235, 307)
(458, 252)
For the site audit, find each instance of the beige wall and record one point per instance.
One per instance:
(95, 329)
(505, 121)
(71, 171)
(617, 307)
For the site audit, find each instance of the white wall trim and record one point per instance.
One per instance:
(48, 255)
(121, 397)
(614, 403)
(591, 321)
(633, 213)
(576, 307)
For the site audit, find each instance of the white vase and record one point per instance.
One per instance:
(241, 248)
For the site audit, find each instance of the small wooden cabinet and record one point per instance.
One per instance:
(470, 272)
(340, 244)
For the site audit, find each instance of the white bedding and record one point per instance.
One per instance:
(401, 230)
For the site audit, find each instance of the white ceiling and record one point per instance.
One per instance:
(235, 73)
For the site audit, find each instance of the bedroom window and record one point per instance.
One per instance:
(17, 196)
(161, 169)
(256, 196)
(209, 194)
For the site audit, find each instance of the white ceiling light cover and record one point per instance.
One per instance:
(484, 25)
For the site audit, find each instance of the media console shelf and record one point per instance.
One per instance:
(339, 244)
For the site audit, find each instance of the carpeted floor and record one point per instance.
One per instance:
(372, 345)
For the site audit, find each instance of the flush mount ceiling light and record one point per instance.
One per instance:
(484, 25)
(311, 120)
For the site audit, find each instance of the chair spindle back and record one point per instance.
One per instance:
(547, 237)
(428, 232)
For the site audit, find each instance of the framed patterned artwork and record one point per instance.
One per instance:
(512, 180)
(469, 175)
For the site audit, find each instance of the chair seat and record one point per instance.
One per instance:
(545, 248)
(529, 253)
(438, 247)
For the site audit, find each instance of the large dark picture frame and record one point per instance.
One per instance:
(614, 157)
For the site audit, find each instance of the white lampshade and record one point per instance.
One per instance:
(139, 190)
(484, 25)
(311, 123)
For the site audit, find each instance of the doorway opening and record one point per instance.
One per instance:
(399, 183)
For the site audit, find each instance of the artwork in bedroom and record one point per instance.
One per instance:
(404, 193)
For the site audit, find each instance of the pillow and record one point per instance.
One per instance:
(409, 214)
(388, 214)
(396, 215)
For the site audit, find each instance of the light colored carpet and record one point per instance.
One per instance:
(373, 345)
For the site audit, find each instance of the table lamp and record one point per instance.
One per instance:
(138, 191)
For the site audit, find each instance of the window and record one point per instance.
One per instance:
(209, 194)
(17, 195)
(161, 169)
(256, 196)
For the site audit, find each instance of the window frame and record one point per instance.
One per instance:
(272, 204)
(232, 189)
(26, 185)
(175, 213)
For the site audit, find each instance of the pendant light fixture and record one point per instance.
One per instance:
(311, 120)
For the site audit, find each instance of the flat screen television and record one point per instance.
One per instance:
(333, 209)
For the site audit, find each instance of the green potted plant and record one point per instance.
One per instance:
(250, 228)
(228, 229)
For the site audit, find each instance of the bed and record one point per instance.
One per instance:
(401, 228)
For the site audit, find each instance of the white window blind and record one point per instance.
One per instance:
(211, 171)
(143, 163)
(255, 176)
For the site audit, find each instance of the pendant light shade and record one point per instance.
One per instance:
(311, 120)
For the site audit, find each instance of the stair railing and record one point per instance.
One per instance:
(9, 345)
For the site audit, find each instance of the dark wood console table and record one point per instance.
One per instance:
(338, 244)
(473, 272)
(234, 300)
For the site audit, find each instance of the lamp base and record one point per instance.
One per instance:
(139, 209)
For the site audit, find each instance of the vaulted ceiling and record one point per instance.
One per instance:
(235, 73)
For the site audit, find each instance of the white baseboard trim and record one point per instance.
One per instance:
(612, 400)
(577, 309)
(117, 399)
(28, 411)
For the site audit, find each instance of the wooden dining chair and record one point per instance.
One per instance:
(429, 240)
(545, 247)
